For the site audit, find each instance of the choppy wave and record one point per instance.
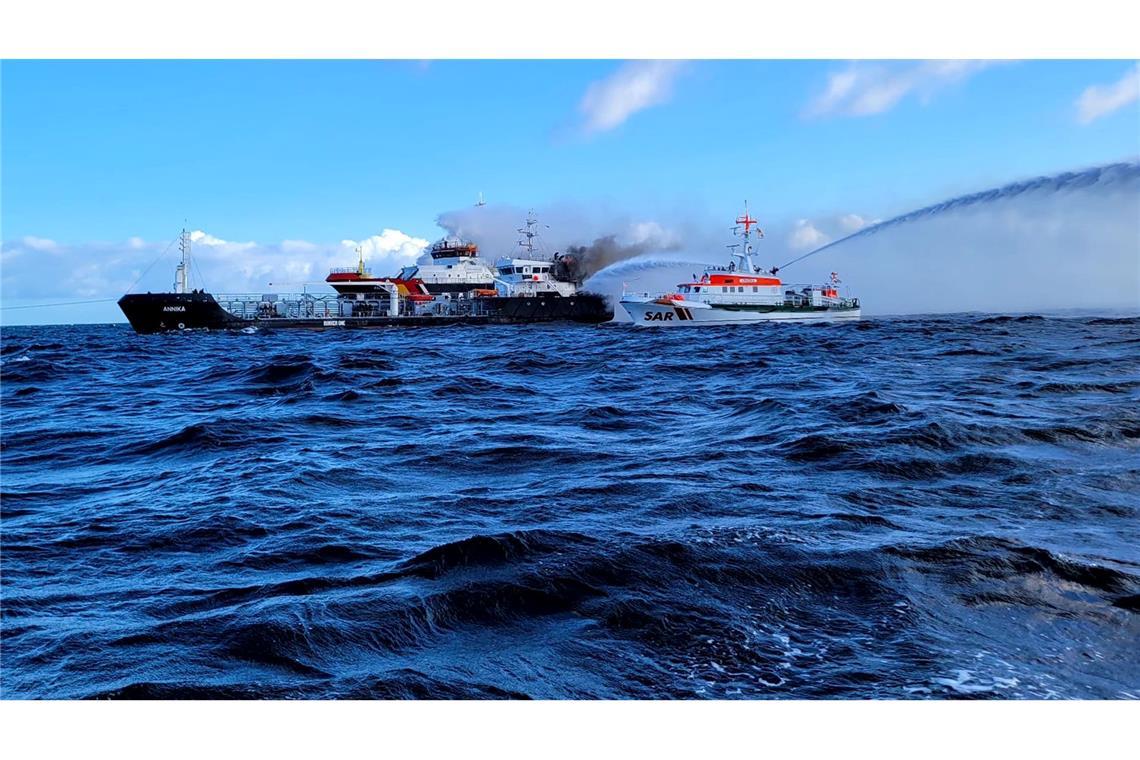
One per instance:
(908, 508)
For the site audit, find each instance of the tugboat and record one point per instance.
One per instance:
(741, 292)
(532, 284)
(457, 287)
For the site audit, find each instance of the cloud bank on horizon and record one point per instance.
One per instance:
(39, 269)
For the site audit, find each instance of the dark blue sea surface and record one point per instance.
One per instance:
(904, 508)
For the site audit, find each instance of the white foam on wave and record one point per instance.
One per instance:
(964, 682)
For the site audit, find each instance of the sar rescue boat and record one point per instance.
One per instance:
(741, 292)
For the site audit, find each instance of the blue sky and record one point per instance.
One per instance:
(99, 153)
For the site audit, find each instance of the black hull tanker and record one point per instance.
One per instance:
(453, 289)
(163, 312)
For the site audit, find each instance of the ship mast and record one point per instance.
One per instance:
(529, 232)
(746, 254)
(182, 271)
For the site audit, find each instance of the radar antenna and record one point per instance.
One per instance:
(529, 233)
(745, 255)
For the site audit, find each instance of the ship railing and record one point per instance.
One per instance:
(297, 305)
(274, 306)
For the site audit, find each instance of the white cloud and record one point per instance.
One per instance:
(806, 235)
(40, 244)
(199, 238)
(654, 234)
(1102, 99)
(852, 223)
(864, 89)
(635, 86)
(391, 248)
(298, 246)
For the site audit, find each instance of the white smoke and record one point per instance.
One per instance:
(496, 229)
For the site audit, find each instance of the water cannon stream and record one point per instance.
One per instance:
(1118, 175)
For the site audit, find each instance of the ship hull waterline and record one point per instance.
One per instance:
(653, 314)
(150, 313)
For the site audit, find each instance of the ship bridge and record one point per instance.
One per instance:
(453, 247)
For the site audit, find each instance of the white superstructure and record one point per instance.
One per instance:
(455, 267)
(532, 272)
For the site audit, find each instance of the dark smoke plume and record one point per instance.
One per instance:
(562, 228)
(582, 261)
